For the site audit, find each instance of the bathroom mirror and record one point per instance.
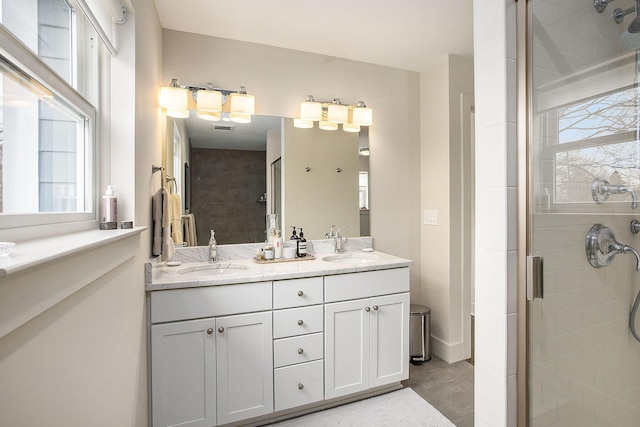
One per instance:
(240, 172)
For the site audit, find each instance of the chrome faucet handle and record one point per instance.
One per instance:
(601, 190)
(330, 234)
(602, 247)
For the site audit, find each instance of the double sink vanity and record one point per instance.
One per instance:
(236, 342)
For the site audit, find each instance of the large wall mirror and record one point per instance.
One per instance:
(231, 175)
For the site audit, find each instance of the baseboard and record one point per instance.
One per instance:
(450, 353)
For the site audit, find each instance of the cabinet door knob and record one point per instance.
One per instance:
(367, 309)
(210, 331)
(300, 322)
(300, 351)
(300, 386)
(300, 293)
(375, 308)
(220, 329)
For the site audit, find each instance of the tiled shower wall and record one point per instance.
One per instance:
(226, 186)
(585, 365)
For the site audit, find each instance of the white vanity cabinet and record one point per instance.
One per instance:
(366, 339)
(216, 370)
(298, 325)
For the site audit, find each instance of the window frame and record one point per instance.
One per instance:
(29, 63)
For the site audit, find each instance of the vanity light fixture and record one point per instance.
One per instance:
(331, 114)
(211, 103)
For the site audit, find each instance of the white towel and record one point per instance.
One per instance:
(168, 247)
(176, 220)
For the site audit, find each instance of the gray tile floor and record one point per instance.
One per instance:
(448, 387)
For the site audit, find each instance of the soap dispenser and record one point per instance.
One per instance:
(213, 247)
(294, 236)
(302, 245)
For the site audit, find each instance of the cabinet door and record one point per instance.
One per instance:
(389, 339)
(244, 349)
(346, 348)
(183, 375)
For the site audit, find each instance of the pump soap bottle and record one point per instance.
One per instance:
(302, 245)
(109, 218)
(277, 245)
(295, 237)
(213, 247)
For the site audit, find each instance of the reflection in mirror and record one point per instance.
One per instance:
(238, 173)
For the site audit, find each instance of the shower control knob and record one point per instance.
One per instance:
(300, 322)
(300, 293)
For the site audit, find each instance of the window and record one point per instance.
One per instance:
(596, 138)
(48, 89)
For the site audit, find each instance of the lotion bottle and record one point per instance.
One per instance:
(302, 245)
(213, 247)
(109, 218)
(277, 245)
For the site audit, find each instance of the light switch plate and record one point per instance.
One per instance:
(430, 217)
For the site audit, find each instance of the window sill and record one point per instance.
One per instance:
(33, 253)
(41, 273)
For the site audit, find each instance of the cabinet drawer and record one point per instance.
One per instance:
(305, 348)
(367, 284)
(210, 301)
(297, 321)
(298, 292)
(298, 385)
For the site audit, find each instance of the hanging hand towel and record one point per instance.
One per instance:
(176, 219)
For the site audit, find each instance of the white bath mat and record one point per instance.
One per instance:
(399, 408)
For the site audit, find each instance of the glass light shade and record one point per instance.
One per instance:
(337, 113)
(178, 114)
(242, 103)
(311, 111)
(209, 101)
(302, 124)
(350, 127)
(174, 98)
(240, 117)
(324, 125)
(211, 116)
(362, 116)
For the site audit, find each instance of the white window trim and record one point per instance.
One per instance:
(30, 226)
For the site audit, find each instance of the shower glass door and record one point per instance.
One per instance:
(584, 160)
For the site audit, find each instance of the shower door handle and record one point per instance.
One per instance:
(535, 282)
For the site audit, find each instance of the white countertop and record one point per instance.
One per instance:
(162, 277)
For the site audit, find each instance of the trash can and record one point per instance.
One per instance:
(419, 333)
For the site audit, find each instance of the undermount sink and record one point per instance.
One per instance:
(213, 269)
(352, 258)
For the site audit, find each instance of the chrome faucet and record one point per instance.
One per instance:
(601, 190)
(338, 239)
(331, 234)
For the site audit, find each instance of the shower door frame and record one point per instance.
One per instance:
(524, 110)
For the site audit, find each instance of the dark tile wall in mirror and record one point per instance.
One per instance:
(226, 186)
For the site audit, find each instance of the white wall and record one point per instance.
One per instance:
(280, 79)
(84, 360)
(442, 175)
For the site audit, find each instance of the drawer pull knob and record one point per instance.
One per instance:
(300, 386)
(367, 309)
(300, 322)
(300, 351)
(210, 331)
(220, 329)
(375, 308)
(300, 293)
